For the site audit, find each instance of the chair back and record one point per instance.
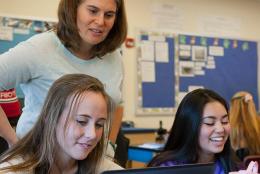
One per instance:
(121, 153)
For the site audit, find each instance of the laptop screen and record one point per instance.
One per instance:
(180, 169)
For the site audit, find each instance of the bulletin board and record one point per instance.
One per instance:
(15, 29)
(156, 69)
(224, 65)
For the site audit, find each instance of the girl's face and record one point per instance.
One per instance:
(215, 129)
(84, 128)
(95, 19)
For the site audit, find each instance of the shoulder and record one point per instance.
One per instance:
(108, 164)
(38, 44)
(44, 40)
(115, 56)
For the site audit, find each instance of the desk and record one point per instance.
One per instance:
(140, 155)
(144, 152)
(138, 136)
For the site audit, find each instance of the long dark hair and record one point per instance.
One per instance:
(182, 144)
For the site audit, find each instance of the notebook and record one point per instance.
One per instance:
(180, 169)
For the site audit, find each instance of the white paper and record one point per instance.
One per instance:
(148, 71)
(186, 68)
(147, 50)
(167, 15)
(210, 58)
(211, 66)
(210, 62)
(199, 72)
(185, 47)
(200, 64)
(199, 53)
(161, 52)
(156, 38)
(197, 68)
(184, 53)
(193, 87)
(6, 33)
(21, 31)
(220, 25)
(216, 51)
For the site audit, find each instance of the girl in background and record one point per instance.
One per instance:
(245, 124)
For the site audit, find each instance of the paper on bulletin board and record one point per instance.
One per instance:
(148, 71)
(6, 33)
(216, 51)
(147, 50)
(161, 52)
(186, 68)
(194, 87)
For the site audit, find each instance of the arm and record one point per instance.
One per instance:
(6, 130)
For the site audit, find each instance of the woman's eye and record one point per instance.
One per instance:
(208, 121)
(99, 125)
(82, 122)
(225, 120)
(92, 11)
(110, 15)
(209, 124)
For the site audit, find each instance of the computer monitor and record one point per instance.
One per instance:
(180, 169)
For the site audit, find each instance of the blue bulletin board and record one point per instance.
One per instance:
(156, 69)
(222, 64)
(14, 30)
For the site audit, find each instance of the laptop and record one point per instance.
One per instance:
(207, 168)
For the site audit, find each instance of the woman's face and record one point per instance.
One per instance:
(215, 129)
(84, 128)
(95, 18)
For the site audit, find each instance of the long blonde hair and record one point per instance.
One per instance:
(245, 123)
(37, 148)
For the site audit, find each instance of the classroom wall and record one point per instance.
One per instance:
(242, 13)
(139, 16)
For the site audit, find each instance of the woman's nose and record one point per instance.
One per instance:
(90, 131)
(219, 127)
(100, 19)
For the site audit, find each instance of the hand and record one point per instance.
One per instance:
(251, 169)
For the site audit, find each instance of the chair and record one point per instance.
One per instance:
(3, 145)
(250, 158)
(121, 153)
